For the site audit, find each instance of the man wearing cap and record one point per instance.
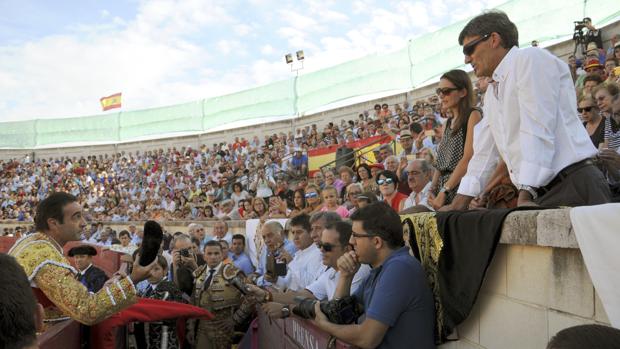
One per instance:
(89, 275)
(406, 141)
(299, 162)
(530, 122)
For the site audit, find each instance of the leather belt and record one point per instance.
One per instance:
(565, 172)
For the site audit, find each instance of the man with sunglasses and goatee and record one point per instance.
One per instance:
(530, 122)
(333, 244)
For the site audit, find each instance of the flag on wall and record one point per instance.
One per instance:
(111, 102)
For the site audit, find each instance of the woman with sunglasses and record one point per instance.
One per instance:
(456, 146)
(592, 120)
(388, 184)
(313, 199)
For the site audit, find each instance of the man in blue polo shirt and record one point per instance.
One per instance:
(398, 303)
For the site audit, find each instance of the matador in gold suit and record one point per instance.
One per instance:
(223, 300)
(51, 274)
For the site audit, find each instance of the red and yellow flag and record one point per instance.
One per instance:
(111, 102)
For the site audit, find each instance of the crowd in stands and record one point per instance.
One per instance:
(269, 178)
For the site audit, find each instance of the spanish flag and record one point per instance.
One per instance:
(111, 102)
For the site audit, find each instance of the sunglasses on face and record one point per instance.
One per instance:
(385, 181)
(311, 195)
(469, 49)
(445, 91)
(586, 109)
(326, 246)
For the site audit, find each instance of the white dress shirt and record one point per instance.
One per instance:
(530, 120)
(420, 198)
(304, 269)
(325, 286)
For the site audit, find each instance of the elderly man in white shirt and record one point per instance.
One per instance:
(419, 179)
(333, 244)
(530, 121)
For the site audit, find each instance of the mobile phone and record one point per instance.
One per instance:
(617, 71)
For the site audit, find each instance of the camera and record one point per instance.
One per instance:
(342, 311)
(579, 25)
(185, 252)
(275, 267)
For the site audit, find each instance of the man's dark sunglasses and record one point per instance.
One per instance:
(587, 109)
(326, 246)
(469, 49)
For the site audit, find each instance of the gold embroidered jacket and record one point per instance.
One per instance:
(47, 269)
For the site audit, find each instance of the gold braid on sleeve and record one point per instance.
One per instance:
(73, 299)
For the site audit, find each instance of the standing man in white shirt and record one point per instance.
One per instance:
(530, 121)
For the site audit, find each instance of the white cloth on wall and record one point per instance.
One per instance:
(597, 230)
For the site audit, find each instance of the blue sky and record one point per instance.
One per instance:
(57, 58)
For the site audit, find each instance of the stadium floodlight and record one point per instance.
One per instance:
(300, 55)
(289, 58)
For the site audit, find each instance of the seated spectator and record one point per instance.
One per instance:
(306, 264)
(238, 194)
(366, 198)
(263, 184)
(318, 179)
(592, 120)
(419, 180)
(330, 202)
(21, 316)
(589, 83)
(456, 146)
(346, 177)
(331, 180)
(125, 245)
(388, 182)
(408, 314)
(259, 209)
(610, 64)
(313, 199)
(239, 258)
(299, 203)
(318, 222)
(352, 192)
(605, 95)
(220, 231)
(365, 178)
(299, 162)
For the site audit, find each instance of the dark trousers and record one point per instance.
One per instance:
(583, 187)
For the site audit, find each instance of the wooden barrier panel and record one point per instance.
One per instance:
(6, 242)
(63, 335)
(292, 333)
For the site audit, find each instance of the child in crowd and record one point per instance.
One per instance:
(330, 200)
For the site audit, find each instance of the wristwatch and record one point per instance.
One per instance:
(286, 312)
(529, 189)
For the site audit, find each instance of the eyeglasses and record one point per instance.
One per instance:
(385, 181)
(357, 236)
(326, 246)
(469, 49)
(586, 109)
(354, 194)
(445, 91)
(311, 195)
